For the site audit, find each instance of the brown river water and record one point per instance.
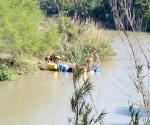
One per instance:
(43, 98)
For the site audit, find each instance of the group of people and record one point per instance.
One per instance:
(88, 65)
(52, 58)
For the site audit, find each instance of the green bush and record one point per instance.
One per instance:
(69, 31)
(146, 21)
(48, 38)
(20, 22)
(91, 39)
(5, 73)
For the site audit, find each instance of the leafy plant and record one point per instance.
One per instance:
(19, 28)
(90, 40)
(134, 115)
(82, 110)
(5, 73)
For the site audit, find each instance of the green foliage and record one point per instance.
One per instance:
(20, 21)
(24, 32)
(90, 39)
(99, 11)
(134, 115)
(141, 7)
(77, 74)
(142, 10)
(5, 73)
(146, 22)
(49, 37)
(67, 27)
(81, 108)
(19, 25)
(84, 7)
(74, 53)
(80, 9)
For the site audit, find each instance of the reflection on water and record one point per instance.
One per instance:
(43, 98)
(55, 75)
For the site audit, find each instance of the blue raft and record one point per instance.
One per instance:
(65, 68)
(97, 67)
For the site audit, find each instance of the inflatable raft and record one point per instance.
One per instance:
(96, 70)
(52, 66)
(97, 67)
(65, 68)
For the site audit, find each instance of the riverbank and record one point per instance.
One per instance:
(76, 52)
(20, 66)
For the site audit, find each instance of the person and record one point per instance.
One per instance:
(52, 57)
(47, 59)
(52, 62)
(88, 64)
(56, 62)
(96, 58)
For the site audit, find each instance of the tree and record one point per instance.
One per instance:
(82, 7)
(19, 25)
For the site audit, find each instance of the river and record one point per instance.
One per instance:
(43, 98)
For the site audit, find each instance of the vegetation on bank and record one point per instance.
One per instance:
(21, 35)
(27, 36)
(26, 32)
(98, 10)
(5, 73)
(83, 41)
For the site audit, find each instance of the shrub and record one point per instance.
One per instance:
(5, 73)
(91, 40)
(68, 29)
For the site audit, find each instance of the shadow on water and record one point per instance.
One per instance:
(122, 111)
(125, 111)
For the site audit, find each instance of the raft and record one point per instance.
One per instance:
(52, 66)
(65, 68)
(97, 66)
(97, 70)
